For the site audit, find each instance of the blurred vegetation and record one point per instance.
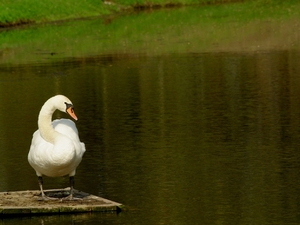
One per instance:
(31, 11)
(19, 11)
(164, 31)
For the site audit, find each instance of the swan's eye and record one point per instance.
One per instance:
(68, 105)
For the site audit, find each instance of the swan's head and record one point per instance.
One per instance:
(70, 110)
(64, 104)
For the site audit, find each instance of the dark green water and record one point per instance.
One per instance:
(212, 138)
(179, 138)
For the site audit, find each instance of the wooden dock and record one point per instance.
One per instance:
(30, 203)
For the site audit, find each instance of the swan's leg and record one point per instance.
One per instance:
(71, 197)
(40, 180)
(72, 181)
(44, 197)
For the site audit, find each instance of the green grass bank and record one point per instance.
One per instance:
(248, 26)
(19, 12)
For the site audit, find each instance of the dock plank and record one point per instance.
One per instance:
(29, 202)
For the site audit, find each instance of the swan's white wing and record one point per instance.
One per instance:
(68, 128)
(37, 156)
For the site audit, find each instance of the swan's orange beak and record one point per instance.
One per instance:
(71, 112)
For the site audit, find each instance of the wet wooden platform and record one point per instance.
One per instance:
(30, 203)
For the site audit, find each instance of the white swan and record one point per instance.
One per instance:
(55, 147)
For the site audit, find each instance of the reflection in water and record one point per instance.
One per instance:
(177, 138)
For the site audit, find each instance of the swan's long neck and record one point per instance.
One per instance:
(44, 122)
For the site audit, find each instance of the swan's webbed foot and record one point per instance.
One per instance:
(71, 196)
(47, 198)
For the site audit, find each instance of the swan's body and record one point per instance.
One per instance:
(60, 158)
(55, 148)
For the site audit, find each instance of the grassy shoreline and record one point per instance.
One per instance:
(14, 13)
(247, 26)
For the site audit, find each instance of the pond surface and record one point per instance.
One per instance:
(179, 137)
